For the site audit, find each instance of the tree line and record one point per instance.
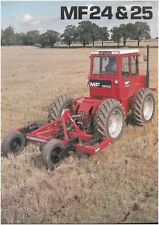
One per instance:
(85, 33)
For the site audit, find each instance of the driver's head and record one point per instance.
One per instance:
(112, 60)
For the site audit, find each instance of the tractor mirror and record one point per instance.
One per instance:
(145, 58)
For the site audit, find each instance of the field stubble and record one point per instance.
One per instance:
(116, 186)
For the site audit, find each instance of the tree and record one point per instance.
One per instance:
(19, 38)
(94, 30)
(70, 35)
(3, 41)
(53, 37)
(84, 32)
(124, 32)
(88, 31)
(127, 32)
(44, 40)
(103, 34)
(32, 37)
(116, 35)
(49, 38)
(130, 30)
(22, 38)
(8, 36)
(142, 30)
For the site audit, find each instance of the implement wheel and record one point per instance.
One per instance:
(109, 119)
(59, 104)
(51, 152)
(143, 106)
(13, 143)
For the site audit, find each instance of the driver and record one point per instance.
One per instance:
(111, 66)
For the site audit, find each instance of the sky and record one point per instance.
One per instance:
(24, 16)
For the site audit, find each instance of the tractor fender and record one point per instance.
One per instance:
(89, 105)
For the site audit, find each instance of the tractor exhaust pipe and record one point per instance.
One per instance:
(147, 70)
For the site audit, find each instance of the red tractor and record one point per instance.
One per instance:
(118, 91)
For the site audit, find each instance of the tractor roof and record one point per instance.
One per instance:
(116, 51)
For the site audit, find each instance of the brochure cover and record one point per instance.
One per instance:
(79, 135)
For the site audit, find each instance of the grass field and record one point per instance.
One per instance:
(115, 186)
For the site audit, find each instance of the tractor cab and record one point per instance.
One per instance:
(114, 73)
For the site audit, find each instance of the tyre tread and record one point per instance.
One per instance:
(102, 113)
(58, 105)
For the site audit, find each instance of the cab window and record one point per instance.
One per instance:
(96, 65)
(104, 65)
(125, 67)
(134, 65)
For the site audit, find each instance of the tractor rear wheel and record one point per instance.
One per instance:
(143, 106)
(109, 119)
(13, 143)
(59, 104)
(51, 152)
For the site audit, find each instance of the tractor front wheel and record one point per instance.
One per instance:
(51, 152)
(143, 106)
(13, 143)
(109, 119)
(59, 104)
